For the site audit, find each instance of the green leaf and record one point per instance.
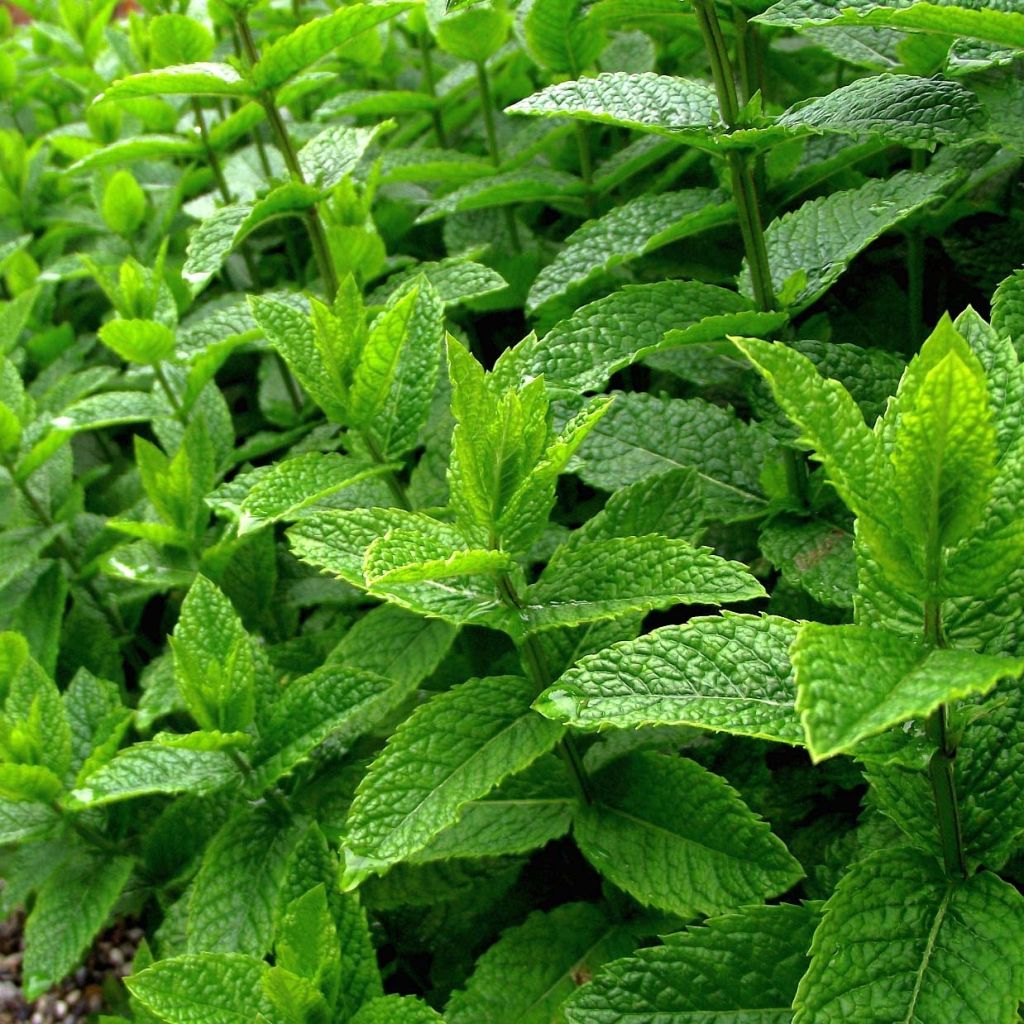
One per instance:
(202, 79)
(409, 556)
(522, 814)
(307, 942)
(291, 485)
(290, 332)
(414, 790)
(378, 364)
(644, 435)
(581, 352)
(731, 674)
(902, 109)
(820, 238)
(309, 42)
(560, 37)
(138, 341)
(815, 554)
(30, 782)
(646, 102)
(678, 838)
(997, 22)
(901, 942)
(333, 700)
(235, 899)
(397, 1010)
(455, 280)
(213, 660)
(70, 908)
(398, 425)
(124, 203)
(141, 147)
(146, 768)
(206, 988)
(177, 39)
(1008, 308)
(22, 822)
(328, 157)
(743, 967)
(637, 227)
(604, 579)
(532, 185)
(856, 681)
(360, 976)
(527, 974)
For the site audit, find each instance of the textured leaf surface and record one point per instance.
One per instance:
(902, 109)
(856, 681)
(581, 352)
(235, 897)
(821, 238)
(315, 39)
(142, 147)
(146, 768)
(817, 555)
(607, 578)
(296, 483)
(206, 988)
(1008, 308)
(397, 1010)
(70, 908)
(730, 674)
(527, 974)
(643, 435)
(646, 101)
(677, 837)
(202, 79)
(335, 152)
(559, 37)
(743, 968)
(453, 749)
(633, 229)
(900, 942)
(537, 184)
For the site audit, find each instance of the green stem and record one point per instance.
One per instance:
(535, 663)
(745, 61)
(483, 80)
(283, 141)
(941, 765)
(395, 485)
(165, 384)
(748, 209)
(272, 797)
(430, 88)
(88, 833)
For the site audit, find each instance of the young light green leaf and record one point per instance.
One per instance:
(527, 974)
(561, 37)
(899, 941)
(397, 1010)
(743, 967)
(414, 790)
(637, 227)
(307, 942)
(178, 39)
(856, 681)
(70, 908)
(207, 988)
(730, 673)
(644, 435)
(679, 838)
(818, 240)
(408, 556)
(604, 579)
(213, 660)
(202, 79)
(335, 152)
(141, 147)
(29, 782)
(646, 102)
(138, 341)
(309, 42)
(536, 184)
(902, 109)
(235, 899)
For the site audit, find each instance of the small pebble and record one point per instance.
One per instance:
(60, 1008)
(115, 957)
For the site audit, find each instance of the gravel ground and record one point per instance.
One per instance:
(79, 995)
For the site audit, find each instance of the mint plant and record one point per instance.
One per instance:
(498, 524)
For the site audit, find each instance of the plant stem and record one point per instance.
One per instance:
(430, 88)
(314, 225)
(493, 148)
(941, 765)
(87, 832)
(535, 662)
(165, 384)
(744, 189)
(271, 795)
(395, 485)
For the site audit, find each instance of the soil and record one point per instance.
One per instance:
(77, 997)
